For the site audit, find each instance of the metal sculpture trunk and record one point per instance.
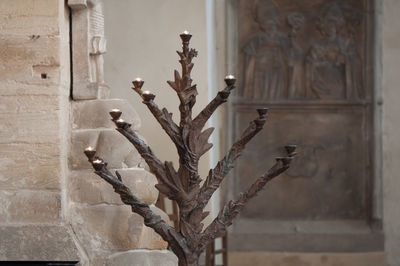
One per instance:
(184, 185)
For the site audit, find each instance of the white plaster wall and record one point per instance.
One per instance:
(391, 128)
(142, 37)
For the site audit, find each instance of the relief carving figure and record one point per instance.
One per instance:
(332, 65)
(88, 48)
(295, 58)
(97, 41)
(265, 71)
(272, 59)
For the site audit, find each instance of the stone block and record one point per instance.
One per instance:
(22, 104)
(87, 187)
(110, 145)
(142, 184)
(29, 166)
(29, 206)
(26, 58)
(105, 228)
(29, 128)
(27, 17)
(13, 88)
(150, 239)
(143, 258)
(36, 243)
(95, 114)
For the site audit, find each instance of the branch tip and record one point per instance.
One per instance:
(230, 80)
(90, 152)
(148, 96)
(138, 83)
(115, 114)
(122, 124)
(290, 149)
(98, 164)
(262, 112)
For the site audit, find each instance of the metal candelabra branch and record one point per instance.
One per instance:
(184, 185)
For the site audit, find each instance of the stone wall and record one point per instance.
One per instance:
(52, 206)
(34, 91)
(103, 225)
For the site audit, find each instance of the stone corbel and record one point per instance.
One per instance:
(77, 4)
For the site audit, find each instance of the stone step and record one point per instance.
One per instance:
(114, 148)
(110, 228)
(93, 114)
(143, 258)
(86, 187)
(306, 259)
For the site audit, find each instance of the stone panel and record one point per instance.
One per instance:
(143, 258)
(87, 187)
(95, 114)
(36, 243)
(27, 206)
(328, 178)
(309, 61)
(302, 50)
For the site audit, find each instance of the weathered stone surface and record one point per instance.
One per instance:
(306, 259)
(110, 145)
(28, 206)
(29, 166)
(29, 128)
(11, 87)
(87, 187)
(22, 17)
(143, 258)
(150, 239)
(105, 228)
(142, 183)
(23, 104)
(26, 58)
(36, 243)
(317, 103)
(95, 113)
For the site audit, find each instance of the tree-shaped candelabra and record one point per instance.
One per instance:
(184, 185)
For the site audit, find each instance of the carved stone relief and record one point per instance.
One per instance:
(88, 47)
(97, 40)
(312, 52)
(307, 61)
